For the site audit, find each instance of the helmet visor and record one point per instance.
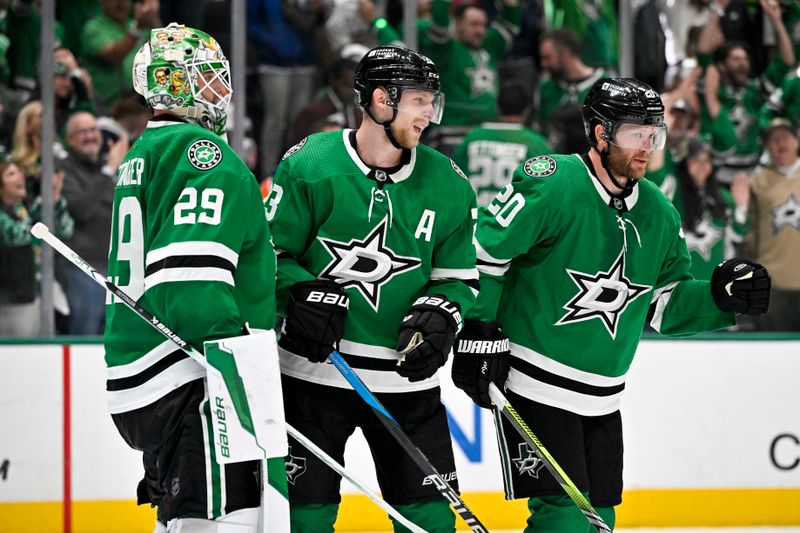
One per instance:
(639, 137)
(421, 103)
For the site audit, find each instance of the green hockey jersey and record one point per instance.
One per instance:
(491, 152)
(552, 94)
(190, 243)
(387, 237)
(571, 273)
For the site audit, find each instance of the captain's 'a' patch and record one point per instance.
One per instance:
(204, 154)
(540, 166)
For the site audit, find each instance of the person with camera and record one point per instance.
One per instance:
(89, 190)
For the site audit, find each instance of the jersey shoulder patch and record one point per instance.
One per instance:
(204, 154)
(540, 166)
(294, 149)
(458, 170)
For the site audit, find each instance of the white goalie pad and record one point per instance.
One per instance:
(244, 389)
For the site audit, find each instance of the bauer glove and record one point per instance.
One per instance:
(741, 286)
(426, 336)
(481, 356)
(314, 319)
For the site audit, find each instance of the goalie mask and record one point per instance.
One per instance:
(183, 70)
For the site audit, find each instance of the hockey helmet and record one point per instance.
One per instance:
(612, 102)
(183, 70)
(396, 68)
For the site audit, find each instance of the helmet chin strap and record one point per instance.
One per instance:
(387, 126)
(629, 184)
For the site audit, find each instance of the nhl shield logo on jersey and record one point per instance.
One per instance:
(539, 166)
(204, 155)
(294, 149)
(604, 296)
(366, 264)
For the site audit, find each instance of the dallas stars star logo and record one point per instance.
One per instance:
(786, 214)
(703, 238)
(604, 296)
(527, 462)
(482, 76)
(366, 264)
(295, 467)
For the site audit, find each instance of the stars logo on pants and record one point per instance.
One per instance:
(527, 462)
(295, 467)
(786, 214)
(604, 295)
(366, 264)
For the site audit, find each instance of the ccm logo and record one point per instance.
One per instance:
(328, 298)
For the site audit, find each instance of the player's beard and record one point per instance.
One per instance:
(621, 163)
(406, 137)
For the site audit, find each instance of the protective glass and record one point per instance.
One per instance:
(638, 137)
(421, 103)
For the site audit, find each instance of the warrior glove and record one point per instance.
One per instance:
(314, 319)
(481, 356)
(426, 336)
(741, 286)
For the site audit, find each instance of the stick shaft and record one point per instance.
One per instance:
(43, 233)
(405, 442)
(500, 401)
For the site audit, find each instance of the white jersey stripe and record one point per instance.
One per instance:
(484, 256)
(162, 384)
(454, 273)
(369, 350)
(560, 369)
(192, 248)
(661, 300)
(575, 402)
(299, 367)
(493, 270)
(143, 363)
(168, 275)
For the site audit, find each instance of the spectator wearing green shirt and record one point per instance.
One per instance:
(491, 152)
(110, 42)
(732, 101)
(567, 79)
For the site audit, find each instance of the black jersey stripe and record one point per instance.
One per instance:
(539, 374)
(147, 374)
(190, 261)
(369, 363)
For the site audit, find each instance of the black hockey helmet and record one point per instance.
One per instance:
(614, 101)
(395, 68)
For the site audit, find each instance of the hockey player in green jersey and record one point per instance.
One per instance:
(491, 152)
(373, 233)
(190, 243)
(575, 255)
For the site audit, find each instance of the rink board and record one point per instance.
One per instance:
(712, 438)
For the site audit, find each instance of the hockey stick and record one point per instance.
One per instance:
(500, 401)
(405, 442)
(40, 231)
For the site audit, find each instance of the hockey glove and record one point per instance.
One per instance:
(741, 286)
(426, 336)
(481, 356)
(314, 319)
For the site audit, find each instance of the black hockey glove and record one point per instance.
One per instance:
(481, 356)
(314, 319)
(426, 336)
(742, 286)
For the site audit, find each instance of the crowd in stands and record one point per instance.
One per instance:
(514, 74)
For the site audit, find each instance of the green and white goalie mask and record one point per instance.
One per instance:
(184, 71)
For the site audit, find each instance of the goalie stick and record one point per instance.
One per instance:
(40, 231)
(405, 442)
(500, 401)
